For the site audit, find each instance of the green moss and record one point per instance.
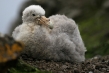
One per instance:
(23, 67)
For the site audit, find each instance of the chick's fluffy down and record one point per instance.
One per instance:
(62, 43)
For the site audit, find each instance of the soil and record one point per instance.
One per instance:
(93, 65)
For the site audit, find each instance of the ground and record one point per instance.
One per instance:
(94, 65)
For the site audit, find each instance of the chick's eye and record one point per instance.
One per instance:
(33, 14)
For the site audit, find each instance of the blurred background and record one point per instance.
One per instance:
(92, 17)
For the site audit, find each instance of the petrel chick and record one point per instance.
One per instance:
(61, 43)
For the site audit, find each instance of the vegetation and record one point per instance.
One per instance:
(23, 67)
(95, 33)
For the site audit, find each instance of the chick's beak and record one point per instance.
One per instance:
(43, 17)
(45, 21)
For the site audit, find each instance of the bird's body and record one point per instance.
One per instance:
(62, 43)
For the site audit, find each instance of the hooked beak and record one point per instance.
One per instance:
(45, 21)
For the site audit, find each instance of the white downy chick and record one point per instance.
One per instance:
(62, 43)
